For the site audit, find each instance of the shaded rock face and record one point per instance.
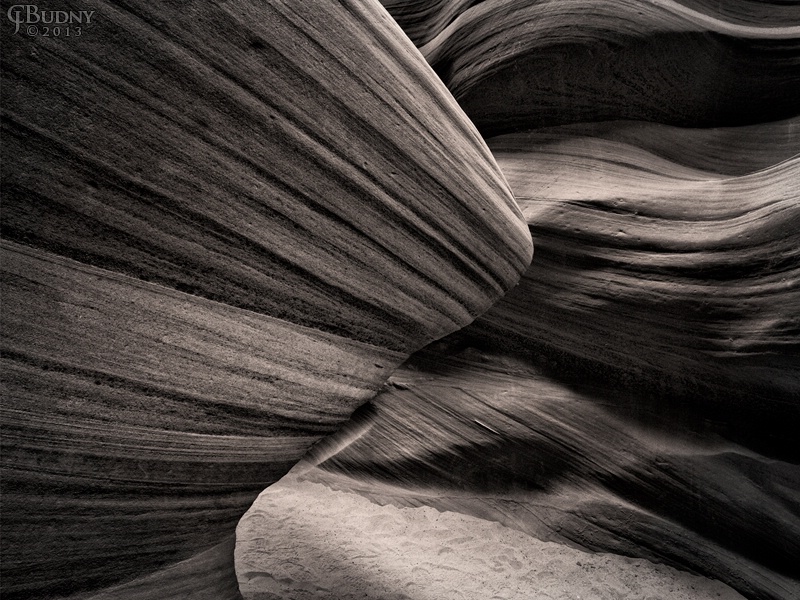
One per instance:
(223, 227)
(638, 391)
(514, 64)
(664, 274)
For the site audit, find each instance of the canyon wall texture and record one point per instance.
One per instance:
(638, 391)
(515, 64)
(223, 227)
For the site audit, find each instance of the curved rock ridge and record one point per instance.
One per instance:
(300, 138)
(223, 227)
(713, 151)
(516, 64)
(685, 280)
(424, 20)
(638, 391)
(482, 433)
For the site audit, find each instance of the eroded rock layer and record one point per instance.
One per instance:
(223, 227)
(638, 391)
(669, 274)
(211, 148)
(514, 64)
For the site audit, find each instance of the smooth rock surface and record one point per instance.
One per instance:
(516, 64)
(638, 392)
(669, 274)
(223, 227)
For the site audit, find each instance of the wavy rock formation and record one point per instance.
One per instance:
(681, 279)
(223, 227)
(514, 64)
(638, 391)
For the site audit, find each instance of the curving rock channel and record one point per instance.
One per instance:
(226, 227)
(517, 64)
(223, 227)
(637, 393)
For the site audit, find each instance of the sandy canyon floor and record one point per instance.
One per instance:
(302, 540)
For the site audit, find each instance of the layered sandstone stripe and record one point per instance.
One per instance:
(673, 270)
(224, 226)
(637, 393)
(515, 64)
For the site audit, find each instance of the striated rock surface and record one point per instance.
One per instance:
(514, 64)
(638, 391)
(223, 227)
(214, 171)
(668, 273)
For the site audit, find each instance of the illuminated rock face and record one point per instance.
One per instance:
(638, 391)
(223, 227)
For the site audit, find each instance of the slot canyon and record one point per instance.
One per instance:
(488, 279)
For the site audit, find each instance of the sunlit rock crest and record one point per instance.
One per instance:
(638, 391)
(223, 227)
